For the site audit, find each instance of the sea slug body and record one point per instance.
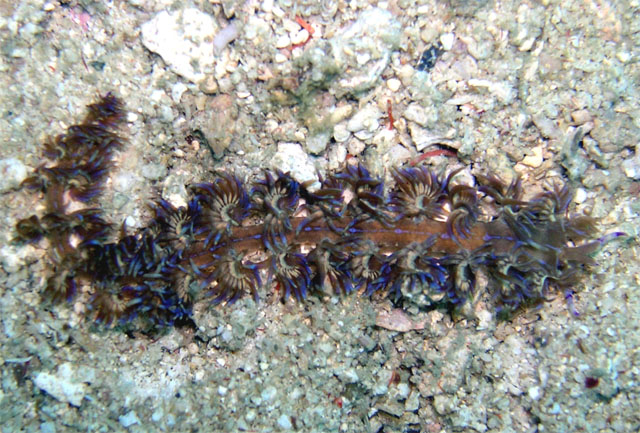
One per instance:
(425, 240)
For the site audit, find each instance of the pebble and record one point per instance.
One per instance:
(447, 40)
(62, 385)
(503, 91)
(393, 84)
(153, 171)
(398, 154)
(413, 402)
(623, 56)
(225, 37)
(534, 392)
(277, 11)
(364, 122)
(317, 142)
(283, 41)
(349, 376)
(363, 50)
(300, 37)
(534, 160)
(12, 258)
(337, 156)
(546, 126)
(157, 415)
(181, 36)
(291, 158)
(341, 133)
(47, 427)
(268, 393)
(580, 196)
(355, 146)
(397, 320)
(284, 422)
(580, 117)
(290, 26)
(422, 138)
(177, 90)
(631, 167)
(443, 404)
(129, 419)
(12, 173)
(267, 6)
(417, 114)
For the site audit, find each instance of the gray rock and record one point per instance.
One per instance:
(128, 419)
(63, 386)
(12, 173)
(417, 114)
(184, 39)
(291, 158)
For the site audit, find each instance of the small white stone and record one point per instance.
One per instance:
(631, 167)
(157, 415)
(501, 90)
(283, 41)
(484, 319)
(290, 26)
(534, 392)
(130, 221)
(157, 95)
(364, 120)
(363, 58)
(284, 422)
(580, 196)
(61, 387)
(534, 160)
(267, 6)
(176, 92)
(268, 393)
(278, 12)
(12, 173)
(341, 133)
(12, 258)
(350, 376)
(355, 146)
(398, 154)
(393, 84)
(417, 114)
(403, 390)
(300, 37)
(447, 40)
(623, 56)
(280, 58)
(291, 158)
(128, 419)
(337, 155)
